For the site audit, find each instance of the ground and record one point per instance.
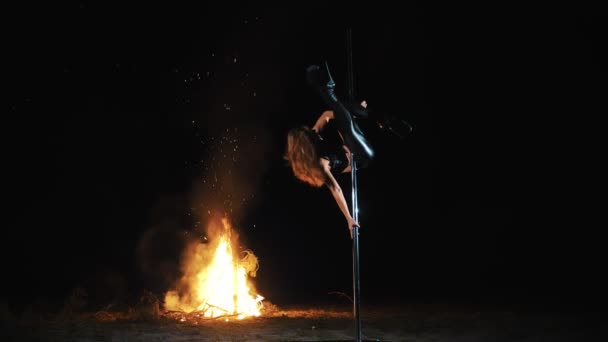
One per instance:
(309, 323)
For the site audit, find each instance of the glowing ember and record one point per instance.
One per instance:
(216, 280)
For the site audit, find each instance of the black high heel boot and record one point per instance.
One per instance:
(390, 125)
(321, 80)
(357, 110)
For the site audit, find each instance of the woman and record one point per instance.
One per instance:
(314, 158)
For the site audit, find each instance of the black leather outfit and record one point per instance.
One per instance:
(320, 79)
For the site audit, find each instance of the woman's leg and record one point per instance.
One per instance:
(353, 137)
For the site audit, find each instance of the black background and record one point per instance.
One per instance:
(113, 117)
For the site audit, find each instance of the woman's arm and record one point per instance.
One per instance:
(338, 195)
(323, 120)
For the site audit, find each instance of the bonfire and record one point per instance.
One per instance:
(217, 279)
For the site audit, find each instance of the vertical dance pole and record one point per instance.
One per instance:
(355, 205)
(349, 63)
(356, 288)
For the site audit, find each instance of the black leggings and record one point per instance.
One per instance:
(320, 78)
(351, 133)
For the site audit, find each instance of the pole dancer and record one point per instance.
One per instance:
(315, 160)
(314, 153)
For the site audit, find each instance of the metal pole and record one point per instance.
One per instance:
(355, 204)
(349, 63)
(356, 287)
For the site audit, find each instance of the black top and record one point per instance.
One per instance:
(330, 147)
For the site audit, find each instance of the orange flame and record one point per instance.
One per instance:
(216, 281)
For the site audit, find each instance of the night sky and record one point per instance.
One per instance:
(126, 129)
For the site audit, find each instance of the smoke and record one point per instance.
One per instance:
(230, 173)
(196, 256)
(226, 178)
(158, 254)
(173, 250)
(230, 144)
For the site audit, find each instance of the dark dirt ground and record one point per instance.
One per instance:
(326, 322)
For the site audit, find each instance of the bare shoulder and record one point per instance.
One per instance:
(325, 164)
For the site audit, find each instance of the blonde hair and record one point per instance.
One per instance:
(302, 155)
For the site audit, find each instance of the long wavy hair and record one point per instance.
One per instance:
(303, 157)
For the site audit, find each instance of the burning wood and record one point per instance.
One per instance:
(216, 281)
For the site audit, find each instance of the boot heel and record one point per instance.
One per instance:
(320, 79)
